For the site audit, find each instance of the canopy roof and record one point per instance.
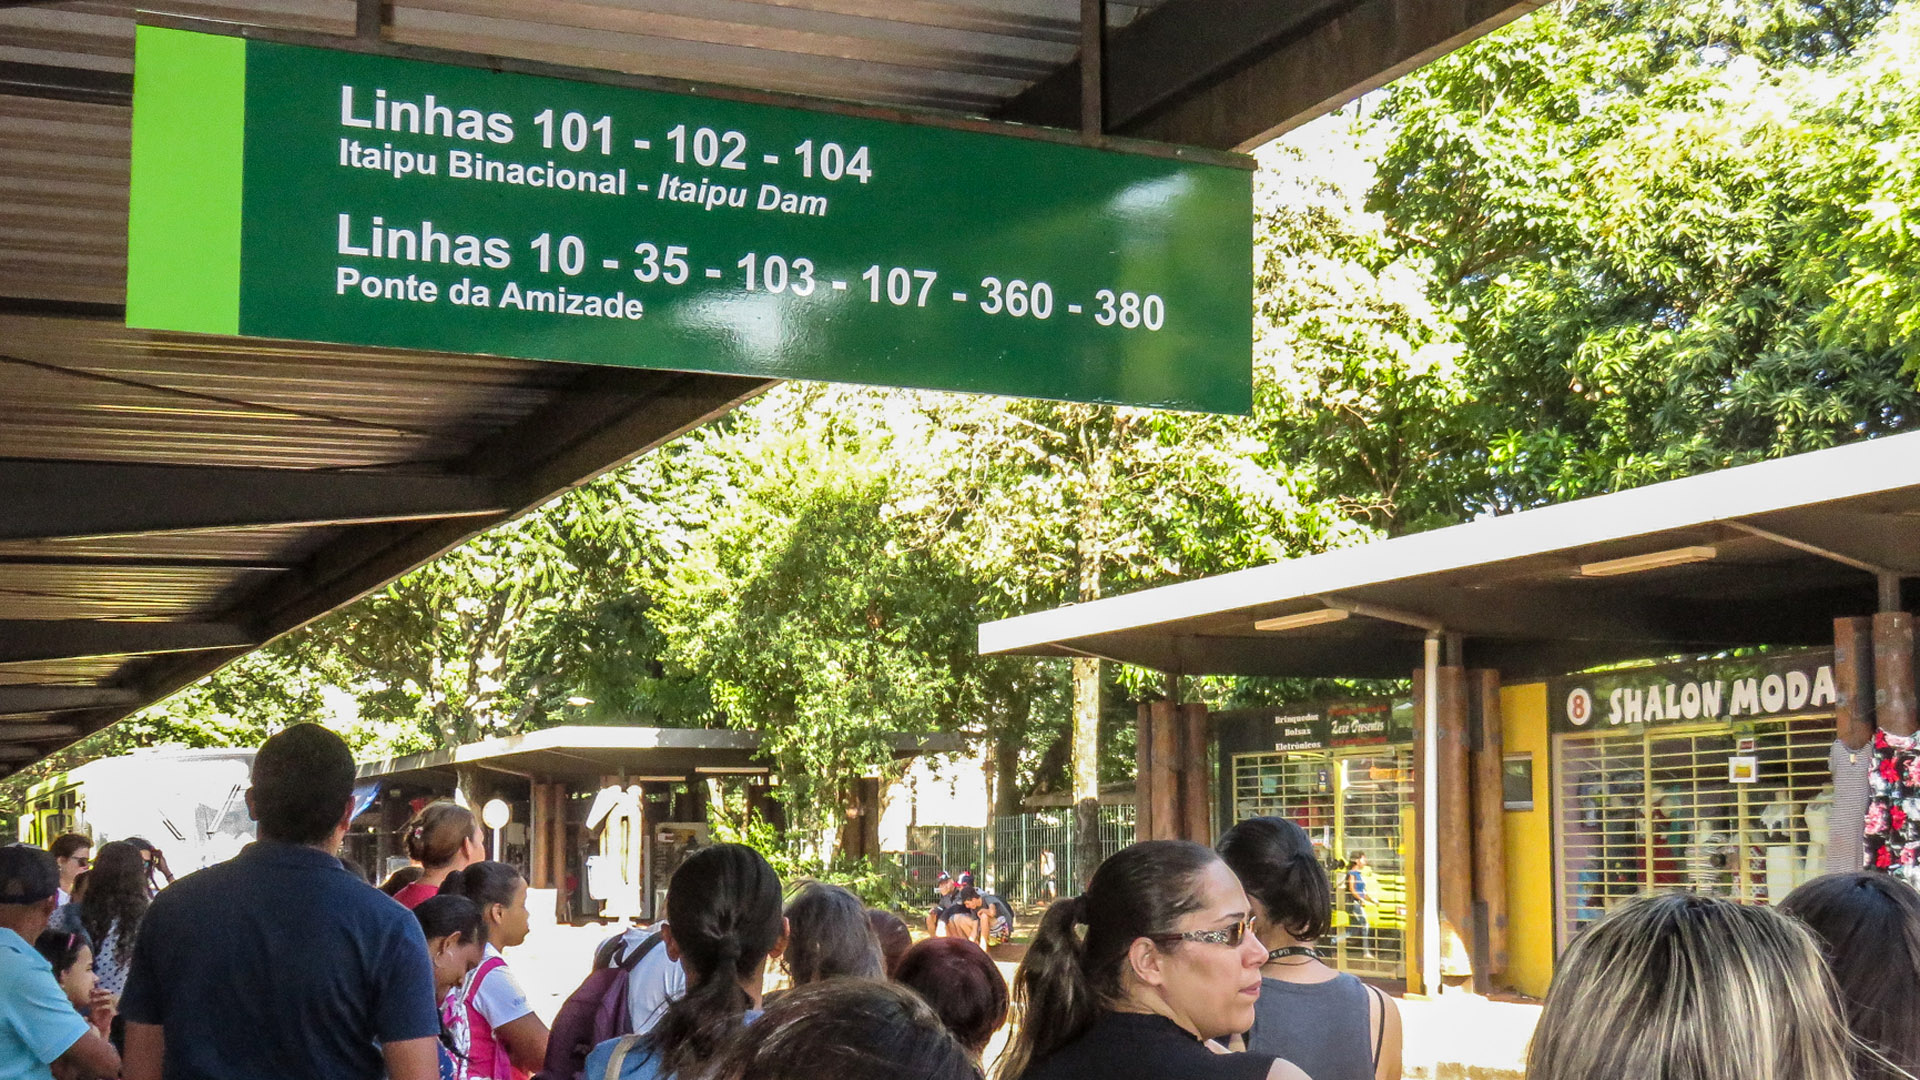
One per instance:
(175, 501)
(1765, 554)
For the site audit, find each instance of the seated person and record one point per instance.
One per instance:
(983, 918)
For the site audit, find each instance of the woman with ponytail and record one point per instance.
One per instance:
(443, 837)
(723, 923)
(1330, 1024)
(1135, 977)
(490, 1019)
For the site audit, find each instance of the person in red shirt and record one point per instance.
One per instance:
(442, 837)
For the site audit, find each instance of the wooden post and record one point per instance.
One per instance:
(537, 837)
(1195, 791)
(1417, 943)
(1489, 831)
(1143, 774)
(1893, 673)
(1166, 764)
(1455, 780)
(1853, 679)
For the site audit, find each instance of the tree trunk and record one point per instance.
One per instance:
(1091, 552)
(1086, 769)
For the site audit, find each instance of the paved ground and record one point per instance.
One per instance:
(1454, 1037)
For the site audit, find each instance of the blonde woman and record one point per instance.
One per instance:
(1687, 987)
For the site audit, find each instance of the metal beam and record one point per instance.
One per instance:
(35, 640)
(1363, 47)
(56, 499)
(606, 418)
(36, 732)
(65, 83)
(1232, 74)
(33, 700)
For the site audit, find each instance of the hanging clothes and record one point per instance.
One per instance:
(1892, 821)
(1850, 769)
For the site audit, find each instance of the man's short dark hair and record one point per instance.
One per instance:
(27, 875)
(302, 779)
(71, 844)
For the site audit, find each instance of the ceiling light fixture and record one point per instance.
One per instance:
(1305, 618)
(1653, 560)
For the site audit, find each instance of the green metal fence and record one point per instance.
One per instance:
(1027, 859)
(1031, 857)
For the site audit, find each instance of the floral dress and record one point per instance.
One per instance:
(1892, 825)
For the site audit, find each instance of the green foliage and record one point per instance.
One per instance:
(1640, 217)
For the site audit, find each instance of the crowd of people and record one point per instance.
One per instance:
(1177, 961)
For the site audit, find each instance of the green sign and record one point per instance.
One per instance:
(289, 192)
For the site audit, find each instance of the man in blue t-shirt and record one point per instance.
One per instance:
(39, 1027)
(280, 962)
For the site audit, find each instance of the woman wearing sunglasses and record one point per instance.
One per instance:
(1134, 978)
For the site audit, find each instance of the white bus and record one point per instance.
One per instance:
(191, 804)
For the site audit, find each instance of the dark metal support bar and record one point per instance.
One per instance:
(33, 700)
(36, 640)
(65, 83)
(51, 499)
(1093, 75)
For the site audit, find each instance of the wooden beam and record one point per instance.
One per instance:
(1143, 773)
(1195, 790)
(1893, 681)
(1853, 680)
(1166, 764)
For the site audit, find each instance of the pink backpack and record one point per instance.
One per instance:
(594, 1013)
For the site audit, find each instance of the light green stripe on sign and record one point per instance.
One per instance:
(183, 220)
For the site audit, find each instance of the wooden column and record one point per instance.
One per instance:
(1489, 831)
(1195, 791)
(557, 803)
(1166, 764)
(1893, 673)
(1454, 777)
(1853, 679)
(1143, 774)
(537, 868)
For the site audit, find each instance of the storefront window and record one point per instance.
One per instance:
(1350, 802)
(1733, 810)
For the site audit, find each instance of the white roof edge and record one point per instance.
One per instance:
(1860, 468)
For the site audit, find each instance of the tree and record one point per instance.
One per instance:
(1632, 210)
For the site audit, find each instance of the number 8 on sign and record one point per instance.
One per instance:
(1580, 707)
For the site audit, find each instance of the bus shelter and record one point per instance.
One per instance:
(178, 497)
(598, 817)
(1676, 686)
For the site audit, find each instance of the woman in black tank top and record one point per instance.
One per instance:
(1165, 964)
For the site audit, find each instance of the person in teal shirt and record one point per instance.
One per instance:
(38, 1025)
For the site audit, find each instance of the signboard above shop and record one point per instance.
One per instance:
(283, 191)
(1728, 691)
(1314, 726)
